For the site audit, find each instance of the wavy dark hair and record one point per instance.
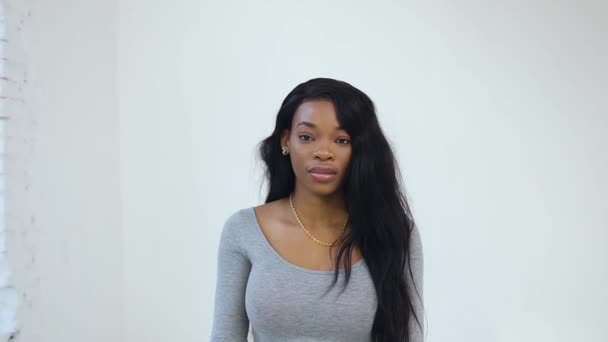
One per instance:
(379, 215)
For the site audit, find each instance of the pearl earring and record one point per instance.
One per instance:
(284, 151)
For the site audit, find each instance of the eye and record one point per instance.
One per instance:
(304, 135)
(346, 141)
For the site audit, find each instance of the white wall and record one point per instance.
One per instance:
(497, 111)
(63, 199)
(8, 293)
(135, 139)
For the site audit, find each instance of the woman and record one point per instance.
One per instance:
(335, 209)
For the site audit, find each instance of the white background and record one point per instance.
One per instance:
(497, 112)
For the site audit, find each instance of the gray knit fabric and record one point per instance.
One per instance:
(260, 295)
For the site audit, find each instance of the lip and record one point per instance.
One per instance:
(323, 173)
(323, 169)
(323, 177)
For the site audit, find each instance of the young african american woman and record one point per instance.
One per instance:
(335, 209)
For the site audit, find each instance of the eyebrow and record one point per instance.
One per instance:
(312, 125)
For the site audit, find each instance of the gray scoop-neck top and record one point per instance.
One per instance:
(260, 295)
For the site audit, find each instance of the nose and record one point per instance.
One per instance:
(323, 155)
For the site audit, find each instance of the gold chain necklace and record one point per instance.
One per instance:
(306, 230)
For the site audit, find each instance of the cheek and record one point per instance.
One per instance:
(297, 163)
(346, 158)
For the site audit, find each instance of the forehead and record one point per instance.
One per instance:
(321, 113)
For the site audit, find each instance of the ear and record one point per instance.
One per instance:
(285, 138)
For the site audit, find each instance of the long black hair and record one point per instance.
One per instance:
(379, 215)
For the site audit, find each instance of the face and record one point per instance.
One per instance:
(316, 140)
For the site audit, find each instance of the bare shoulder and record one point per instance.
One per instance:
(273, 219)
(271, 212)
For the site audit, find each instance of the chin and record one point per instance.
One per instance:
(323, 190)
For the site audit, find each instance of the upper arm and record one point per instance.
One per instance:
(414, 275)
(230, 321)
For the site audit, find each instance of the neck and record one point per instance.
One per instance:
(320, 212)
